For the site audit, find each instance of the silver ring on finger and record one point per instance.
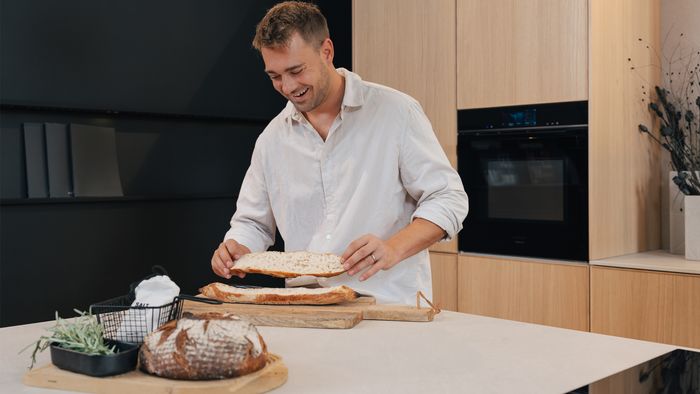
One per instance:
(374, 259)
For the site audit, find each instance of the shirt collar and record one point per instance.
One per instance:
(352, 97)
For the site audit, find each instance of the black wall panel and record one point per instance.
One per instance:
(56, 257)
(187, 97)
(158, 56)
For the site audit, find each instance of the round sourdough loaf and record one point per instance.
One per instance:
(204, 346)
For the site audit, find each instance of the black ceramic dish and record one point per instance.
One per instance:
(97, 365)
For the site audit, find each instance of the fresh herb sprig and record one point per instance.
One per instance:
(82, 334)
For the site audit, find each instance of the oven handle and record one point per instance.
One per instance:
(527, 130)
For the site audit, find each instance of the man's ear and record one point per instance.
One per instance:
(327, 50)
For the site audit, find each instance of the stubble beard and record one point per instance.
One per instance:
(320, 91)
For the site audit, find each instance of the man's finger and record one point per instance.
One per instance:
(232, 248)
(225, 257)
(225, 270)
(356, 257)
(215, 267)
(364, 263)
(219, 268)
(353, 247)
(373, 270)
(378, 254)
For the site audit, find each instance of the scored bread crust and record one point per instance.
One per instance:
(272, 296)
(202, 347)
(286, 262)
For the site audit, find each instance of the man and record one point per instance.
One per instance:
(348, 167)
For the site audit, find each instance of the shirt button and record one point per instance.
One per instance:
(328, 236)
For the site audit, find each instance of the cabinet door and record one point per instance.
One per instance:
(521, 52)
(409, 45)
(444, 268)
(653, 306)
(623, 165)
(554, 294)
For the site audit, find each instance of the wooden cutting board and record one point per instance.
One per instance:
(344, 315)
(49, 376)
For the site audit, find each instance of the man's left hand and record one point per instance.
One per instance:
(369, 251)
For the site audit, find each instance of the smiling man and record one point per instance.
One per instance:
(348, 167)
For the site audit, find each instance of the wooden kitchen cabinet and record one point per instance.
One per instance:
(550, 293)
(409, 45)
(451, 54)
(624, 165)
(648, 305)
(444, 268)
(512, 52)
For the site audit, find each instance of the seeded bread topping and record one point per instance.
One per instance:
(289, 264)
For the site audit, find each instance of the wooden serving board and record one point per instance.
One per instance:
(49, 376)
(344, 315)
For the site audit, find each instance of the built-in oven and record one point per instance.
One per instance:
(525, 169)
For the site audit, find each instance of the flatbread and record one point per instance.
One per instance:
(289, 264)
(279, 296)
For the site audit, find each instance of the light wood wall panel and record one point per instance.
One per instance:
(653, 306)
(624, 181)
(536, 292)
(521, 52)
(409, 45)
(444, 268)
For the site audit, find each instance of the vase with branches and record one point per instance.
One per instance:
(678, 111)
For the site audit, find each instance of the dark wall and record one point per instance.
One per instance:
(186, 97)
(157, 155)
(180, 179)
(158, 56)
(60, 256)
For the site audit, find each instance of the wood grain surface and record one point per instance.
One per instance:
(49, 376)
(344, 315)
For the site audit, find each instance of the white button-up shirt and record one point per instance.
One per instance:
(380, 166)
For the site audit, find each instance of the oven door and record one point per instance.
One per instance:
(528, 192)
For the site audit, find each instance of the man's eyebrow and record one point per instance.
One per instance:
(269, 72)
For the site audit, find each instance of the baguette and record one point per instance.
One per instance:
(289, 264)
(274, 296)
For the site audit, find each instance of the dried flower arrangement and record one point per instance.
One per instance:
(678, 112)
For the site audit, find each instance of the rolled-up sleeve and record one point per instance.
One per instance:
(429, 178)
(253, 223)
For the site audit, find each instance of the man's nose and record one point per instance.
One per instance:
(288, 84)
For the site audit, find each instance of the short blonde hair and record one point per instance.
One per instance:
(284, 19)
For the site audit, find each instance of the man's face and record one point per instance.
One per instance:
(300, 72)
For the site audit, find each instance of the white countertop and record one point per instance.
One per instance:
(657, 260)
(455, 353)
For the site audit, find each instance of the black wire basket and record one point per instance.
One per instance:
(123, 322)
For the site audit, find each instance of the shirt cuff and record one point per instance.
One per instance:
(441, 218)
(255, 244)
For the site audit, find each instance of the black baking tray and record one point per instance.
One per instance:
(124, 360)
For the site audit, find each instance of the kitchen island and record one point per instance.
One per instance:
(455, 353)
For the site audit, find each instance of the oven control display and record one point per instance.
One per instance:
(522, 118)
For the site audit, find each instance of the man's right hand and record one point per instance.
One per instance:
(224, 257)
